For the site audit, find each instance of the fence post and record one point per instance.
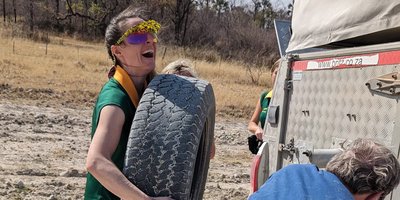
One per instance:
(47, 41)
(165, 51)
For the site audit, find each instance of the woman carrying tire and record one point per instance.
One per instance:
(131, 43)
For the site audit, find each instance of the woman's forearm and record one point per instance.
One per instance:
(252, 127)
(112, 178)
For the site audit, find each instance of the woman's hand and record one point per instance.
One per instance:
(253, 123)
(259, 133)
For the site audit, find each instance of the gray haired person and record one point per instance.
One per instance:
(181, 67)
(366, 170)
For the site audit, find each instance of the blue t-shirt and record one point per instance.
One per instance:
(302, 182)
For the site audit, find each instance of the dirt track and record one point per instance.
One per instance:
(43, 150)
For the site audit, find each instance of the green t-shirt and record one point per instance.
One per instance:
(264, 102)
(112, 93)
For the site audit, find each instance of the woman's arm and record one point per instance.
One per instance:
(103, 145)
(253, 124)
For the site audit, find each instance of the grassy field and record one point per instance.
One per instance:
(49, 135)
(74, 71)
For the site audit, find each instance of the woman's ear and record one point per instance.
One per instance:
(116, 51)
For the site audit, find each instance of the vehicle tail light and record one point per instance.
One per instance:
(254, 173)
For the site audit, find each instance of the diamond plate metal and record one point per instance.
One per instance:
(341, 106)
(327, 106)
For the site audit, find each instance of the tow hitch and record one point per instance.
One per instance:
(301, 153)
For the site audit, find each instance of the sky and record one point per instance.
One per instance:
(275, 3)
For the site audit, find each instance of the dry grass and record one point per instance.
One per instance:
(76, 68)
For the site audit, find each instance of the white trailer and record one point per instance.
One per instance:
(324, 100)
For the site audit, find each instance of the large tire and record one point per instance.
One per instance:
(168, 151)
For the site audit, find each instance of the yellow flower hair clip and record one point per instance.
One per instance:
(149, 26)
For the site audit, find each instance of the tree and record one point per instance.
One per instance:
(257, 6)
(31, 20)
(204, 4)
(228, 30)
(221, 6)
(14, 11)
(4, 10)
(182, 12)
(263, 13)
(92, 14)
(290, 9)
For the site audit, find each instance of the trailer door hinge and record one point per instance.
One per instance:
(387, 84)
(289, 148)
(288, 85)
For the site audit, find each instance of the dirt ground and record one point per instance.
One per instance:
(44, 142)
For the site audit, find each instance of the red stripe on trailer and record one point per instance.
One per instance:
(389, 58)
(382, 58)
(254, 173)
(300, 65)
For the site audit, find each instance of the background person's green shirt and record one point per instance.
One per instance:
(264, 102)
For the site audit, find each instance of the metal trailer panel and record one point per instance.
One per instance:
(272, 131)
(327, 105)
(327, 109)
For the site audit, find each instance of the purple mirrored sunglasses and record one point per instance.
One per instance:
(140, 38)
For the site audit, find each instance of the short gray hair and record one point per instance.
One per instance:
(182, 67)
(365, 167)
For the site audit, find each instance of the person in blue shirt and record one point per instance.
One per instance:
(365, 171)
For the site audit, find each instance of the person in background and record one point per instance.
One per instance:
(366, 170)
(131, 43)
(257, 121)
(184, 67)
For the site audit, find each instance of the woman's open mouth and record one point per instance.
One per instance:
(148, 54)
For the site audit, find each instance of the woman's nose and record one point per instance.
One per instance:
(151, 39)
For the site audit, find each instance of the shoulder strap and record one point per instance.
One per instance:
(266, 95)
(269, 95)
(125, 81)
(263, 95)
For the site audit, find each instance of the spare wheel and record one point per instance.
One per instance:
(168, 150)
